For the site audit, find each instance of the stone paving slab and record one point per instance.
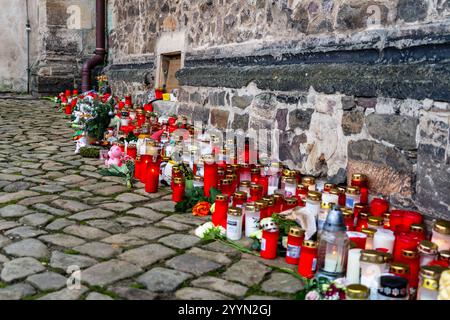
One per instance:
(57, 212)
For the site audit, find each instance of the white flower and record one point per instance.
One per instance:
(223, 231)
(201, 230)
(213, 208)
(312, 295)
(340, 283)
(256, 235)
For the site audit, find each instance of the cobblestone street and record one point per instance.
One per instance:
(57, 211)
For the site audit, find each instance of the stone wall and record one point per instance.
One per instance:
(353, 85)
(14, 48)
(67, 39)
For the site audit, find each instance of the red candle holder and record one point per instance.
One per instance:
(379, 206)
(270, 205)
(226, 187)
(269, 244)
(302, 194)
(67, 93)
(138, 168)
(239, 199)
(151, 179)
(290, 203)
(362, 222)
(412, 259)
(255, 175)
(131, 151)
(148, 107)
(279, 202)
(401, 220)
(264, 182)
(404, 241)
(178, 190)
(261, 206)
(349, 219)
(361, 181)
(358, 238)
(342, 197)
(219, 217)
(294, 244)
(210, 174)
(256, 192)
(307, 264)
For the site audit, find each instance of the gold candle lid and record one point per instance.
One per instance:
(399, 268)
(364, 215)
(178, 180)
(409, 254)
(270, 201)
(226, 182)
(250, 207)
(420, 228)
(369, 232)
(431, 272)
(302, 187)
(240, 195)
(359, 177)
(255, 170)
(245, 183)
(352, 190)
(255, 186)
(290, 180)
(310, 244)
(308, 180)
(314, 196)
(372, 256)
(334, 191)
(296, 232)
(222, 197)
(442, 226)
(245, 165)
(427, 247)
(360, 206)
(347, 212)
(357, 292)
(198, 178)
(292, 201)
(231, 176)
(375, 221)
(444, 255)
(260, 204)
(328, 186)
(235, 211)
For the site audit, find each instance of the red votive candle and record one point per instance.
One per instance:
(145, 159)
(261, 206)
(361, 181)
(358, 238)
(412, 259)
(138, 166)
(255, 175)
(269, 244)
(210, 174)
(226, 187)
(363, 221)
(290, 203)
(294, 244)
(256, 192)
(270, 204)
(278, 203)
(342, 198)
(307, 264)
(239, 198)
(152, 176)
(302, 194)
(404, 241)
(379, 206)
(178, 190)
(148, 107)
(219, 217)
(349, 219)
(67, 93)
(131, 151)
(264, 182)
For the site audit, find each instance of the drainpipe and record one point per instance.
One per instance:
(100, 51)
(28, 29)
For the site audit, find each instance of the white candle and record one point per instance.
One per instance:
(353, 266)
(384, 239)
(331, 262)
(330, 198)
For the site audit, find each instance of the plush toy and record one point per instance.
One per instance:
(115, 157)
(82, 142)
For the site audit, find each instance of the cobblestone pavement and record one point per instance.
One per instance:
(56, 211)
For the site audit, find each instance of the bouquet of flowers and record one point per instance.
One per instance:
(323, 289)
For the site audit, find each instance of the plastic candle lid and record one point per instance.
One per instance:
(393, 286)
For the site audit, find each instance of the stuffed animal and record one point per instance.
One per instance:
(82, 142)
(115, 157)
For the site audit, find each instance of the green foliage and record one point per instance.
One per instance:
(131, 137)
(283, 224)
(87, 152)
(193, 196)
(126, 171)
(97, 126)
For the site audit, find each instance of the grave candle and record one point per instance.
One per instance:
(234, 224)
(384, 240)
(428, 252)
(152, 179)
(441, 234)
(178, 190)
(252, 218)
(411, 258)
(378, 206)
(210, 177)
(219, 217)
(294, 243)
(307, 264)
(256, 192)
(370, 233)
(358, 238)
(353, 267)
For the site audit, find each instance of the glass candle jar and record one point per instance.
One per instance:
(373, 265)
(302, 194)
(353, 267)
(444, 255)
(239, 199)
(310, 182)
(418, 230)
(256, 192)
(245, 187)
(362, 222)
(234, 181)
(392, 287)
(327, 188)
(261, 207)
(342, 200)
(352, 196)
(210, 174)
(412, 260)
(219, 217)
(429, 282)
(234, 224)
(359, 207)
(348, 219)
(295, 239)
(131, 151)
(441, 234)
(264, 182)
(252, 219)
(428, 252)
(401, 270)
(151, 175)
(178, 190)
(290, 187)
(255, 174)
(357, 292)
(269, 244)
(361, 181)
(290, 203)
(331, 196)
(279, 202)
(313, 202)
(226, 187)
(370, 233)
(387, 220)
(384, 240)
(307, 265)
(322, 216)
(198, 182)
(404, 241)
(244, 172)
(270, 204)
(378, 206)
(359, 239)
(220, 176)
(375, 222)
